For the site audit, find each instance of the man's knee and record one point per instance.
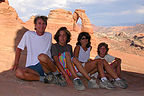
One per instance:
(43, 58)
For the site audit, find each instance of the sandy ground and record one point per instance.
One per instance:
(11, 86)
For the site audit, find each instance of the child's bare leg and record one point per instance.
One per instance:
(81, 68)
(95, 66)
(69, 65)
(110, 78)
(116, 65)
(109, 69)
(91, 66)
(93, 71)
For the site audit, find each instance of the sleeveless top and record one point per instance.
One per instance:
(84, 55)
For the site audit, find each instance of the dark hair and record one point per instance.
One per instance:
(2, 0)
(86, 34)
(44, 18)
(100, 45)
(56, 36)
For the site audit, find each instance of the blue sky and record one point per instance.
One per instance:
(100, 12)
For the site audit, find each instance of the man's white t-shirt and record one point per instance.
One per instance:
(35, 45)
(107, 57)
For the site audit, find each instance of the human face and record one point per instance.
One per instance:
(40, 27)
(62, 38)
(102, 51)
(84, 41)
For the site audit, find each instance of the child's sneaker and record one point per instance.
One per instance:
(60, 80)
(92, 84)
(106, 84)
(78, 84)
(124, 81)
(120, 83)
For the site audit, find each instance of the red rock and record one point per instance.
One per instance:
(60, 18)
(86, 25)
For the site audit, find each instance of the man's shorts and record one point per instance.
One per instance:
(37, 68)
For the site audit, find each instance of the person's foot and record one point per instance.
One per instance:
(124, 80)
(49, 78)
(106, 84)
(78, 84)
(60, 80)
(92, 84)
(120, 83)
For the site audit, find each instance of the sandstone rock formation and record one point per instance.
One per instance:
(8, 15)
(86, 25)
(139, 35)
(10, 29)
(121, 34)
(30, 23)
(60, 17)
(138, 40)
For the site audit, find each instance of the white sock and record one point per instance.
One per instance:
(117, 79)
(76, 78)
(103, 79)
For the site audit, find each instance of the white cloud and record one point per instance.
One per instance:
(38, 4)
(26, 8)
(140, 10)
(126, 12)
(91, 1)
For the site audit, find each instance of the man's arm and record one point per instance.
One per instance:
(17, 57)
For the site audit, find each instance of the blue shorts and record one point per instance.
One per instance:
(38, 68)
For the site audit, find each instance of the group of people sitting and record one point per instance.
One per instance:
(58, 64)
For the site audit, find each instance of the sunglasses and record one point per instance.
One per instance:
(83, 38)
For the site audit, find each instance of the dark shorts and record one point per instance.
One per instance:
(37, 68)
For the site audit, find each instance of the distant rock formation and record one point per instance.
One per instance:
(139, 36)
(30, 23)
(86, 25)
(121, 34)
(8, 15)
(59, 18)
(136, 45)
